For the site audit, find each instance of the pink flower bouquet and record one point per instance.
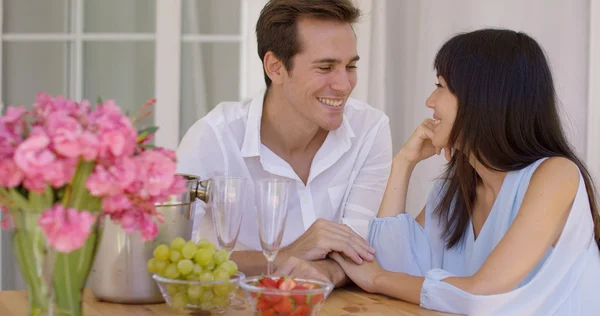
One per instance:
(64, 165)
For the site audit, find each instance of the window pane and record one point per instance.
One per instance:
(210, 73)
(120, 71)
(33, 67)
(50, 16)
(130, 16)
(211, 16)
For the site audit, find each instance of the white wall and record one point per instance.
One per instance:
(416, 29)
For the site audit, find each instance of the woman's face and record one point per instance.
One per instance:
(445, 106)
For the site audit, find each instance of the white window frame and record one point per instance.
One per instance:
(168, 41)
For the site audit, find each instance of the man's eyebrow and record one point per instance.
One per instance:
(333, 60)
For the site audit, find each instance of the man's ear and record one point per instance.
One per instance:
(273, 67)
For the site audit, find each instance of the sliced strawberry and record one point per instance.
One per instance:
(261, 305)
(271, 299)
(309, 286)
(268, 312)
(288, 285)
(286, 305)
(301, 311)
(268, 283)
(314, 299)
(300, 299)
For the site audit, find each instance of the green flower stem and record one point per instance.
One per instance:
(29, 248)
(72, 269)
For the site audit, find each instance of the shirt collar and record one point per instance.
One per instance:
(252, 143)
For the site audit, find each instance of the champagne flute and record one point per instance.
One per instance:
(227, 201)
(271, 203)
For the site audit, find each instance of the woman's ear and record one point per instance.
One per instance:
(273, 67)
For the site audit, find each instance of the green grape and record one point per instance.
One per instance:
(175, 256)
(189, 250)
(182, 288)
(195, 292)
(207, 296)
(185, 266)
(179, 300)
(206, 306)
(171, 271)
(191, 277)
(151, 265)
(210, 266)
(206, 277)
(230, 267)
(222, 289)
(161, 252)
(177, 243)
(203, 256)
(221, 256)
(194, 301)
(221, 275)
(197, 269)
(203, 243)
(172, 289)
(160, 266)
(221, 301)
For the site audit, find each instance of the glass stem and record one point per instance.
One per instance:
(269, 267)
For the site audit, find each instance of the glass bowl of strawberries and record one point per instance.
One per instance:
(277, 296)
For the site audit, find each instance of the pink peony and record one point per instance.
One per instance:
(155, 173)
(116, 135)
(65, 132)
(10, 174)
(115, 204)
(66, 229)
(8, 141)
(112, 180)
(132, 221)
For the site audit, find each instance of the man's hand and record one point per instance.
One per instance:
(324, 270)
(323, 237)
(302, 269)
(363, 275)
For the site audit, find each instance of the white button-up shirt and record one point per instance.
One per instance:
(347, 177)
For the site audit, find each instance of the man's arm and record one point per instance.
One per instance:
(369, 186)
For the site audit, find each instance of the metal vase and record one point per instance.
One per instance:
(119, 274)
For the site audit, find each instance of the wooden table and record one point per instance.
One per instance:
(342, 302)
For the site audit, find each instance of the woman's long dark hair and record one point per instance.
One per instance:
(507, 117)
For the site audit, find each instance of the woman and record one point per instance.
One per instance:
(512, 227)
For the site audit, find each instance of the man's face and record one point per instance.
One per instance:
(323, 73)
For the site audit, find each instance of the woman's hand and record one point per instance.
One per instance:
(363, 275)
(419, 147)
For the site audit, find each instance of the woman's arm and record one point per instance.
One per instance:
(394, 198)
(539, 222)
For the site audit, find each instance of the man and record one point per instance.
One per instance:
(336, 150)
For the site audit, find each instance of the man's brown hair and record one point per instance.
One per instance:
(276, 29)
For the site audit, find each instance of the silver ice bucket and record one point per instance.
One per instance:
(119, 273)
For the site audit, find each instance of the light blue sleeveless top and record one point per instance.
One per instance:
(565, 282)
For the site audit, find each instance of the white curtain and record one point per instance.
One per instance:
(400, 39)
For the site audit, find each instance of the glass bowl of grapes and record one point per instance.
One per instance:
(194, 277)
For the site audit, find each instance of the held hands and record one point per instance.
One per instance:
(363, 275)
(419, 145)
(323, 237)
(304, 269)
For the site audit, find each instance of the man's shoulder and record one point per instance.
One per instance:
(361, 114)
(225, 113)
